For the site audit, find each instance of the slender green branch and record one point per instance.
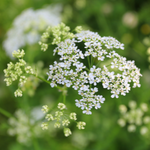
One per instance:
(108, 65)
(87, 69)
(89, 61)
(64, 98)
(44, 80)
(5, 113)
(63, 89)
(64, 94)
(35, 144)
(41, 78)
(97, 65)
(34, 139)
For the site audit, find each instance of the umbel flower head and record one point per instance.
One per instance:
(61, 119)
(73, 71)
(24, 127)
(17, 72)
(27, 27)
(135, 117)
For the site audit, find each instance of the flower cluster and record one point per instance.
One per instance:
(73, 71)
(134, 117)
(28, 26)
(17, 71)
(61, 119)
(23, 127)
(32, 83)
(56, 34)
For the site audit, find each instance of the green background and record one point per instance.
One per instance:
(102, 131)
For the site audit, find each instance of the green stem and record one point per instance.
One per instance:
(41, 78)
(5, 113)
(34, 140)
(89, 62)
(63, 89)
(64, 98)
(87, 69)
(99, 64)
(25, 104)
(108, 65)
(64, 94)
(60, 88)
(35, 144)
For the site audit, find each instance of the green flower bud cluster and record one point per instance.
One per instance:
(45, 109)
(17, 72)
(33, 82)
(61, 119)
(55, 35)
(134, 117)
(78, 29)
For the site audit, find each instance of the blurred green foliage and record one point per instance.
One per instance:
(129, 22)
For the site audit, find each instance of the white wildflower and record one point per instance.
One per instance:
(67, 132)
(28, 25)
(45, 109)
(80, 79)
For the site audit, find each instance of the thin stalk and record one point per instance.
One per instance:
(34, 139)
(64, 94)
(98, 64)
(41, 78)
(89, 62)
(44, 80)
(87, 69)
(64, 98)
(5, 113)
(35, 144)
